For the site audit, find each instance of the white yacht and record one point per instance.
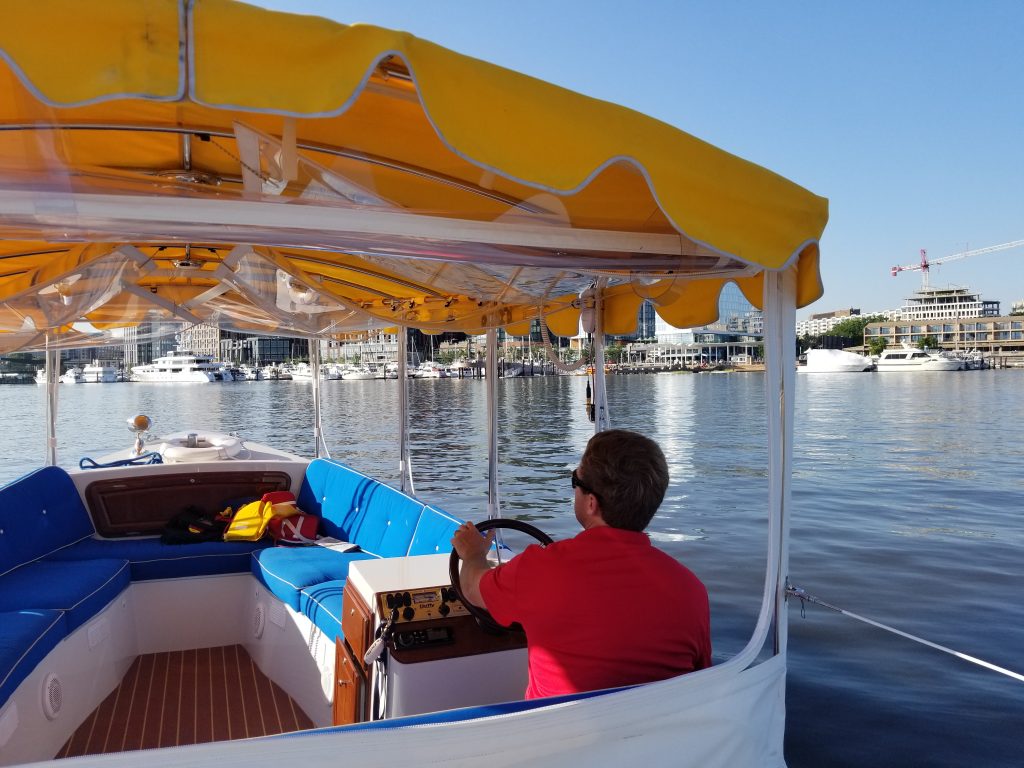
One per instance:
(301, 372)
(304, 372)
(251, 372)
(908, 358)
(836, 361)
(429, 369)
(179, 367)
(73, 375)
(276, 372)
(97, 373)
(359, 373)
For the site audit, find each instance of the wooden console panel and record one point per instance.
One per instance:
(467, 638)
(411, 642)
(351, 691)
(132, 506)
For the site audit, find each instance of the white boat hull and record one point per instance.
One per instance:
(836, 361)
(174, 377)
(99, 377)
(928, 365)
(908, 358)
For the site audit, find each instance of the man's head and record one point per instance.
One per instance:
(627, 475)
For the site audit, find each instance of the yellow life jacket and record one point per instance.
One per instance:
(251, 520)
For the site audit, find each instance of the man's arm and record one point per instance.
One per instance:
(472, 547)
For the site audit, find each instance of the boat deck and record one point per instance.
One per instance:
(187, 697)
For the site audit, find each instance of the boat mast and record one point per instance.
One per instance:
(404, 459)
(52, 379)
(491, 374)
(780, 372)
(601, 422)
(320, 445)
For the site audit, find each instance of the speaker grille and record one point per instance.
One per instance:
(259, 620)
(53, 696)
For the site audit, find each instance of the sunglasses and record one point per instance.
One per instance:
(577, 483)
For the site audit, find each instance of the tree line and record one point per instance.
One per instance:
(850, 333)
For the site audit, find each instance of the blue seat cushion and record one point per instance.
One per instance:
(25, 638)
(385, 521)
(80, 588)
(152, 559)
(433, 533)
(286, 571)
(357, 508)
(321, 604)
(40, 513)
(335, 492)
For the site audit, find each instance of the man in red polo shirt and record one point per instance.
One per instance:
(604, 608)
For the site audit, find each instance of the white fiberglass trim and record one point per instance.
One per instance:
(701, 719)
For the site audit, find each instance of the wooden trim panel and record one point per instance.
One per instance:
(130, 506)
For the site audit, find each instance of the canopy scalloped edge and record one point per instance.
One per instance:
(522, 129)
(768, 220)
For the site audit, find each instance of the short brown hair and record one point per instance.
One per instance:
(629, 475)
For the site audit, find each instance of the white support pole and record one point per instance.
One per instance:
(780, 367)
(601, 419)
(493, 504)
(52, 380)
(320, 447)
(404, 457)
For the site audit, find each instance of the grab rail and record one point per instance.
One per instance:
(151, 457)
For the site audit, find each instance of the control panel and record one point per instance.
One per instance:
(421, 604)
(427, 637)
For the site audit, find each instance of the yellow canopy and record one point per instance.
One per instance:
(282, 173)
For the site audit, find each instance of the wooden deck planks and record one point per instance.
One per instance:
(187, 697)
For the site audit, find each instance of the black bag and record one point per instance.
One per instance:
(193, 526)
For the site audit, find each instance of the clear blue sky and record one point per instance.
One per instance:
(908, 116)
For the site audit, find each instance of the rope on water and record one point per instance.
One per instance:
(806, 597)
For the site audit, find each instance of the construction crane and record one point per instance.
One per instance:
(925, 265)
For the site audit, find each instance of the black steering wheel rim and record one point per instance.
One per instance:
(482, 615)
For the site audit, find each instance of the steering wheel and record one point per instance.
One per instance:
(483, 616)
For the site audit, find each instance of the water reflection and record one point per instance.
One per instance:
(906, 493)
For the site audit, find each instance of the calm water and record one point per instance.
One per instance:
(908, 492)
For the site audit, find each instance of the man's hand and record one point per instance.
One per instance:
(470, 543)
(472, 547)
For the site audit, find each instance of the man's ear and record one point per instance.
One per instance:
(592, 509)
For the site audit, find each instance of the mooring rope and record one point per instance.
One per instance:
(805, 597)
(549, 350)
